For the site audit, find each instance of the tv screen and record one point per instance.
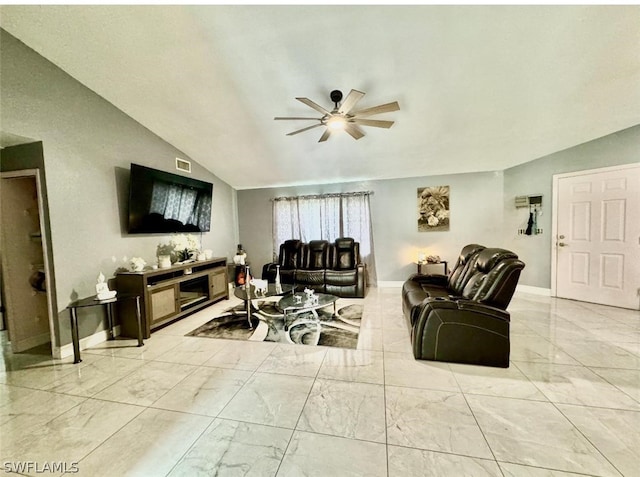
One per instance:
(161, 202)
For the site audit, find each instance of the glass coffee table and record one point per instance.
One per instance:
(296, 303)
(247, 293)
(301, 316)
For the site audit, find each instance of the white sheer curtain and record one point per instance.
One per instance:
(326, 217)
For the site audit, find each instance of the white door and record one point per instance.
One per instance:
(597, 241)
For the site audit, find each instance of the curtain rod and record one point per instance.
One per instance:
(322, 196)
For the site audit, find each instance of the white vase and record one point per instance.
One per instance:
(164, 261)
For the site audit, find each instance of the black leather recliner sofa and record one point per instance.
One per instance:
(333, 268)
(462, 317)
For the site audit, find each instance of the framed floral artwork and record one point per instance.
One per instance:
(433, 209)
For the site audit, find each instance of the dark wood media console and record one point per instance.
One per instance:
(169, 294)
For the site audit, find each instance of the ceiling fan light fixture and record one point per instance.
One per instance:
(336, 123)
(343, 117)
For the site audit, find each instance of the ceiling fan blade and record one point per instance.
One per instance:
(354, 131)
(383, 108)
(373, 122)
(313, 105)
(304, 129)
(325, 135)
(350, 101)
(307, 119)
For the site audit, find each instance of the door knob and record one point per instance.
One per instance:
(562, 244)
(560, 236)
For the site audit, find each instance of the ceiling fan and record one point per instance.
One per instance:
(342, 117)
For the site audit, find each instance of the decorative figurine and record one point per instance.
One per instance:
(102, 289)
(136, 264)
(260, 286)
(312, 298)
(240, 256)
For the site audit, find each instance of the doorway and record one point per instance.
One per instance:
(26, 277)
(596, 236)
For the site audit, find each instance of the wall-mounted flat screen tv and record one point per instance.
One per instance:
(161, 202)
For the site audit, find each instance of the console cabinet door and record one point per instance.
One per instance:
(164, 302)
(218, 283)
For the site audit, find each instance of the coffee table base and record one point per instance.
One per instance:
(249, 294)
(288, 313)
(319, 324)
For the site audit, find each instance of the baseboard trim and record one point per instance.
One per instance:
(61, 352)
(34, 341)
(389, 284)
(533, 290)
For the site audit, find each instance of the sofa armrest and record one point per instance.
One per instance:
(435, 279)
(361, 286)
(462, 305)
(269, 272)
(461, 331)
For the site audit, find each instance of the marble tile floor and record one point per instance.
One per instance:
(569, 404)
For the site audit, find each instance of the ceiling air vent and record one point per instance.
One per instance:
(182, 165)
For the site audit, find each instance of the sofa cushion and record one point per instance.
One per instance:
(489, 257)
(341, 277)
(315, 255)
(309, 276)
(345, 254)
(310, 279)
(290, 254)
(463, 268)
(495, 277)
(343, 290)
(287, 276)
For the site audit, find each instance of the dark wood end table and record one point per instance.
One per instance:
(93, 301)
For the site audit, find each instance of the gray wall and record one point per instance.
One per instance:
(536, 177)
(88, 147)
(476, 216)
(482, 210)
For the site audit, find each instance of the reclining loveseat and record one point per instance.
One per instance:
(325, 267)
(462, 317)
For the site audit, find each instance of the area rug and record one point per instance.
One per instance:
(304, 328)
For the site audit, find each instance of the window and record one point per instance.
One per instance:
(326, 217)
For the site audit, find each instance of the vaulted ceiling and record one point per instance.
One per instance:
(480, 87)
